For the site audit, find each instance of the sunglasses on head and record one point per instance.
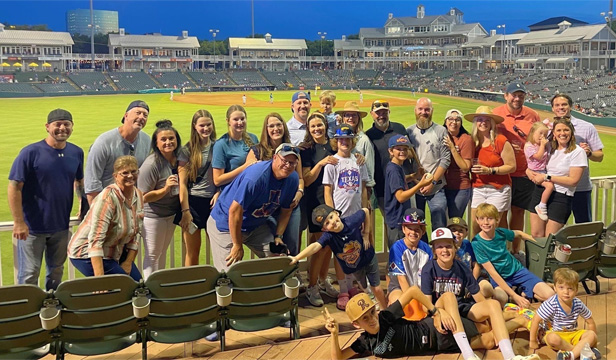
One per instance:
(519, 131)
(290, 148)
(377, 104)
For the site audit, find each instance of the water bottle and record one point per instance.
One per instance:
(175, 190)
(586, 353)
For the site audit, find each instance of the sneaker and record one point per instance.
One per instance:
(529, 357)
(529, 315)
(511, 307)
(313, 296)
(343, 299)
(329, 289)
(542, 213)
(565, 355)
(212, 337)
(353, 291)
(596, 352)
(475, 357)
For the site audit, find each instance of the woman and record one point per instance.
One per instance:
(158, 181)
(352, 116)
(565, 167)
(197, 190)
(458, 189)
(493, 162)
(274, 133)
(229, 155)
(106, 241)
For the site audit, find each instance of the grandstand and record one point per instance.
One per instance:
(132, 81)
(282, 79)
(364, 78)
(312, 78)
(57, 88)
(210, 78)
(91, 81)
(341, 78)
(249, 78)
(19, 88)
(174, 79)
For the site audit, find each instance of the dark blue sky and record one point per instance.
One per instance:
(293, 18)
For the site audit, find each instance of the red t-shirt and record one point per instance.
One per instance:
(456, 179)
(524, 121)
(490, 156)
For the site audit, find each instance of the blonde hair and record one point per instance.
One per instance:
(195, 148)
(247, 140)
(538, 126)
(493, 132)
(566, 276)
(329, 95)
(124, 162)
(487, 210)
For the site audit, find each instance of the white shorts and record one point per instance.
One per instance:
(489, 194)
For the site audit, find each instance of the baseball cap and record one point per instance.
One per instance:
(134, 104)
(300, 95)
(58, 115)
(359, 305)
(344, 131)
(379, 104)
(515, 86)
(441, 233)
(319, 214)
(285, 149)
(398, 140)
(451, 111)
(457, 221)
(413, 216)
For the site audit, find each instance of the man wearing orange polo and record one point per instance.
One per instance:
(517, 124)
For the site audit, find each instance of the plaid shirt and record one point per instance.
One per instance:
(111, 225)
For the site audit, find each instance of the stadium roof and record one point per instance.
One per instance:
(29, 37)
(482, 41)
(426, 20)
(456, 29)
(146, 41)
(552, 23)
(570, 34)
(348, 44)
(261, 43)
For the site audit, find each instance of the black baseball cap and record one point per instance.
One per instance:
(134, 104)
(59, 115)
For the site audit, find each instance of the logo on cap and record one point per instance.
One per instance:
(440, 232)
(363, 304)
(415, 216)
(455, 220)
(319, 218)
(401, 140)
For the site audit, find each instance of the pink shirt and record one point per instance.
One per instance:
(534, 164)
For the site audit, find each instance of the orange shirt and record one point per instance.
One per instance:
(490, 156)
(523, 122)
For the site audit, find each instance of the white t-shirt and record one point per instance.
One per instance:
(559, 165)
(346, 179)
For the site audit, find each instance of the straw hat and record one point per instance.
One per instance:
(484, 111)
(351, 106)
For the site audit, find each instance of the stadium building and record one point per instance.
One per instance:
(268, 53)
(78, 22)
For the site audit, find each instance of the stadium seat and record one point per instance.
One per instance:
(606, 266)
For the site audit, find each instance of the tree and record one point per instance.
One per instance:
(353, 37)
(257, 36)
(314, 47)
(40, 27)
(207, 47)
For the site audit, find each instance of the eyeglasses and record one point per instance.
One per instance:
(131, 150)
(126, 173)
(519, 131)
(481, 119)
(454, 119)
(378, 104)
(289, 148)
(287, 163)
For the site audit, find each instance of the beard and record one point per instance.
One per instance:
(423, 122)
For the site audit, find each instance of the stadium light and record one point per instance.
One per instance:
(504, 44)
(608, 20)
(214, 32)
(322, 34)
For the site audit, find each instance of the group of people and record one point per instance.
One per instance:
(322, 172)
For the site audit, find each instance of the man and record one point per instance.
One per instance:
(300, 107)
(128, 139)
(434, 156)
(240, 216)
(379, 134)
(587, 137)
(40, 196)
(517, 124)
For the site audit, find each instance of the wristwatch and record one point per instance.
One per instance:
(548, 177)
(432, 312)
(278, 236)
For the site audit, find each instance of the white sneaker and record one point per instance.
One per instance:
(327, 287)
(542, 213)
(313, 296)
(529, 357)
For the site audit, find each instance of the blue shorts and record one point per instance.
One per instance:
(371, 271)
(523, 279)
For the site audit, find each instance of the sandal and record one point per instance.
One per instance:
(343, 299)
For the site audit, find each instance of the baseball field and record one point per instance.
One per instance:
(23, 122)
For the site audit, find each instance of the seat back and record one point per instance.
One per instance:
(97, 314)
(606, 266)
(183, 303)
(21, 333)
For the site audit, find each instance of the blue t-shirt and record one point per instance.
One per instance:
(259, 193)
(331, 124)
(436, 281)
(394, 181)
(466, 254)
(495, 251)
(230, 154)
(348, 244)
(48, 175)
(407, 262)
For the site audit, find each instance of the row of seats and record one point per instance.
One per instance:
(100, 315)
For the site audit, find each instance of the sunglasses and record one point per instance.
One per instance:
(289, 148)
(519, 131)
(131, 150)
(377, 104)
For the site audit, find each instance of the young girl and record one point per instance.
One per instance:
(536, 150)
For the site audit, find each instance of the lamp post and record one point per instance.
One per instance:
(504, 44)
(214, 32)
(608, 20)
(322, 34)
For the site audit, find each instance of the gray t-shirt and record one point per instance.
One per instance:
(106, 149)
(204, 187)
(153, 175)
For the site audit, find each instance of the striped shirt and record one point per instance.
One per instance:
(552, 311)
(111, 225)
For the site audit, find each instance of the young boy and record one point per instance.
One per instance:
(490, 246)
(387, 335)
(350, 244)
(563, 310)
(328, 102)
(445, 274)
(397, 192)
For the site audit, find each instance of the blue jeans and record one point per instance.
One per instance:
(30, 257)
(438, 207)
(291, 234)
(110, 266)
(457, 201)
(582, 208)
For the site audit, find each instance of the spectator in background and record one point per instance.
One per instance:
(300, 107)
(128, 139)
(40, 195)
(458, 189)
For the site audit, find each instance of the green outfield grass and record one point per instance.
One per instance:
(23, 120)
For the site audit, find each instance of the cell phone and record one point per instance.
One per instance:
(192, 227)
(278, 249)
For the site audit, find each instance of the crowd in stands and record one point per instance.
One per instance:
(327, 171)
